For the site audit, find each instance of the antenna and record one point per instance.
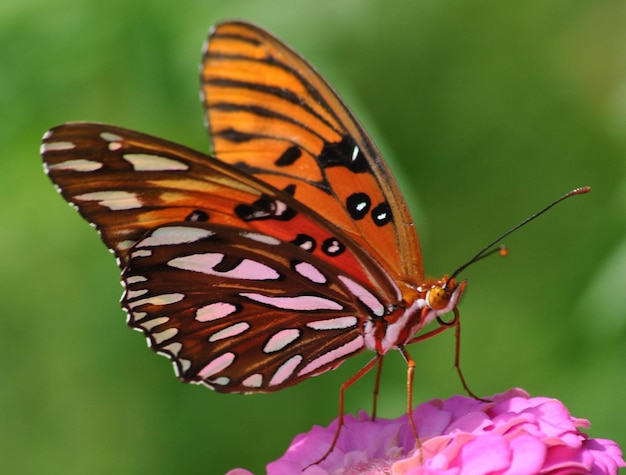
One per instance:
(488, 249)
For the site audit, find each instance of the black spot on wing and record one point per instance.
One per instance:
(358, 205)
(288, 157)
(227, 263)
(333, 247)
(343, 154)
(305, 241)
(381, 214)
(234, 136)
(197, 216)
(290, 189)
(265, 208)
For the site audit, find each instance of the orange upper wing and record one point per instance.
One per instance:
(271, 114)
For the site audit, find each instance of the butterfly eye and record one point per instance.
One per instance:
(438, 298)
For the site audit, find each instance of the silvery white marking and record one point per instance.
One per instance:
(333, 355)
(303, 302)
(155, 322)
(79, 165)
(133, 294)
(229, 332)
(364, 295)
(264, 238)
(247, 269)
(164, 299)
(253, 381)
(56, 146)
(339, 323)
(215, 311)
(216, 365)
(280, 340)
(144, 162)
(172, 235)
(172, 349)
(285, 370)
(310, 272)
(114, 200)
(110, 137)
(165, 335)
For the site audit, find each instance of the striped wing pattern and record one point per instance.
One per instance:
(137, 189)
(239, 311)
(262, 268)
(271, 114)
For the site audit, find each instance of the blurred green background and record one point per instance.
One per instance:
(488, 110)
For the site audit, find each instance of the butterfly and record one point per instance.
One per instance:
(287, 251)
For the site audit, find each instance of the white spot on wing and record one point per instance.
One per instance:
(218, 364)
(333, 247)
(285, 370)
(280, 207)
(133, 279)
(155, 322)
(110, 137)
(114, 200)
(355, 153)
(133, 294)
(264, 238)
(303, 302)
(141, 253)
(79, 165)
(280, 340)
(185, 364)
(172, 235)
(247, 269)
(172, 349)
(310, 272)
(340, 323)
(123, 245)
(215, 311)
(134, 317)
(229, 332)
(165, 335)
(221, 381)
(56, 146)
(144, 162)
(364, 295)
(165, 299)
(253, 381)
(333, 355)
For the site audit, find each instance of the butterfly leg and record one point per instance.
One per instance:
(379, 370)
(428, 335)
(457, 356)
(456, 323)
(362, 372)
(409, 389)
(411, 370)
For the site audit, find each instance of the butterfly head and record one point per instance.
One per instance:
(444, 295)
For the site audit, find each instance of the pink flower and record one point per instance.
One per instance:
(513, 434)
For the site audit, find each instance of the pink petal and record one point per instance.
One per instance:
(510, 435)
(528, 455)
(484, 455)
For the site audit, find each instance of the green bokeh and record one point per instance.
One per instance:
(486, 109)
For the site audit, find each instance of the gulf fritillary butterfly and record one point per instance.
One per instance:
(292, 252)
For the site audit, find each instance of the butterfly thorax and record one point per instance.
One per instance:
(422, 304)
